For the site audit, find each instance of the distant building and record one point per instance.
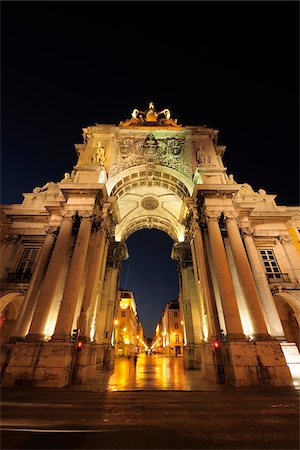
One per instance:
(128, 331)
(169, 331)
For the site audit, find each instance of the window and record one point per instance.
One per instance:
(175, 314)
(123, 314)
(270, 263)
(25, 267)
(177, 338)
(176, 326)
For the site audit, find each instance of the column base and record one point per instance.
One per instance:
(85, 364)
(36, 337)
(39, 364)
(255, 364)
(61, 337)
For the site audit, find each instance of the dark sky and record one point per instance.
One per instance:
(233, 66)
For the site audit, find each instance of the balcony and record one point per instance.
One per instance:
(18, 277)
(275, 278)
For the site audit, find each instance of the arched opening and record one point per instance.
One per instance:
(9, 310)
(150, 274)
(287, 316)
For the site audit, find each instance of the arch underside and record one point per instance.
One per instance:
(150, 197)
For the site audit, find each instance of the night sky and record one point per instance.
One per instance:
(233, 66)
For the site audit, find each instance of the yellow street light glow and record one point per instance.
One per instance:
(124, 329)
(181, 322)
(116, 322)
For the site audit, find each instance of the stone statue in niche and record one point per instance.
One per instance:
(99, 155)
(202, 156)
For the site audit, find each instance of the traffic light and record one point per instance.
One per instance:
(74, 335)
(217, 345)
(79, 346)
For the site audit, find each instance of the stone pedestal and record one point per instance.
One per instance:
(105, 357)
(39, 364)
(85, 364)
(255, 364)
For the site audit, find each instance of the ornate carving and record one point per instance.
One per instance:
(182, 253)
(117, 252)
(166, 152)
(149, 203)
(246, 231)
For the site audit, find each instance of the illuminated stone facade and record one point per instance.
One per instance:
(128, 336)
(237, 252)
(169, 332)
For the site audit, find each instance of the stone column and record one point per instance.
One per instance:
(25, 317)
(92, 280)
(269, 309)
(246, 279)
(8, 251)
(116, 253)
(51, 281)
(202, 270)
(73, 282)
(225, 284)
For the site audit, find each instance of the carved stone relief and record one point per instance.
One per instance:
(167, 152)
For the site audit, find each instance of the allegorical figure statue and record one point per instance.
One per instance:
(99, 155)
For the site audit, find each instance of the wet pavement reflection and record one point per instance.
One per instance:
(150, 372)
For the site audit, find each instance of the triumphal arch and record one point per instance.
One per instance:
(237, 253)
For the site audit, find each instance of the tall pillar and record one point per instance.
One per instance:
(225, 284)
(246, 279)
(116, 253)
(90, 293)
(73, 282)
(51, 281)
(201, 265)
(25, 317)
(269, 309)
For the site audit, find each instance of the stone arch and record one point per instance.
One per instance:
(288, 306)
(150, 197)
(10, 305)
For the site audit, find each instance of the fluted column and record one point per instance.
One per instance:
(202, 270)
(269, 309)
(51, 281)
(25, 317)
(90, 293)
(73, 282)
(225, 284)
(246, 279)
(116, 253)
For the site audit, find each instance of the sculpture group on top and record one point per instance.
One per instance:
(150, 117)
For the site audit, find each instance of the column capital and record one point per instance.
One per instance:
(89, 215)
(52, 229)
(247, 231)
(231, 216)
(212, 214)
(69, 215)
(181, 252)
(285, 239)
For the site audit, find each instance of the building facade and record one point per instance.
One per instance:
(237, 253)
(128, 338)
(169, 331)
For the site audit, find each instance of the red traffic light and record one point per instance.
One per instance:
(79, 346)
(216, 344)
